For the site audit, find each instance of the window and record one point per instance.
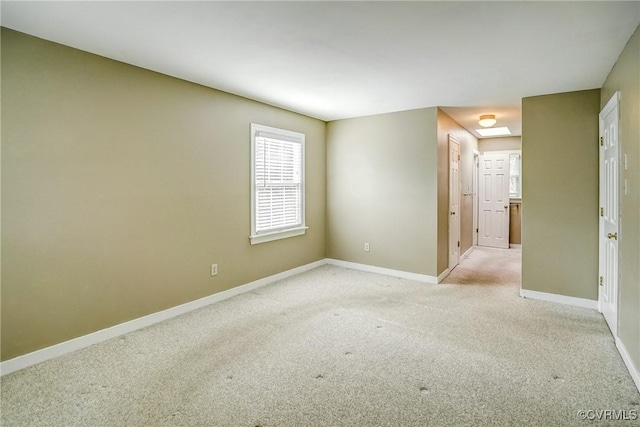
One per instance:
(515, 183)
(277, 184)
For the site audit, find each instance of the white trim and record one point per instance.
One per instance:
(277, 235)
(515, 245)
(381, 270)
(467, 253)
(633, 370)
(502, 152)
(560, 299)
(84, 341)
(613, 102)
(444, 274)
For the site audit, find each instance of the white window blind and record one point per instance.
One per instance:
(278, 183)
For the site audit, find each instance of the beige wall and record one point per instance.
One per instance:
(500, 144)
(468, 142)
(381, 189)
(515, 222)
(388, 184)
(121, 186)
(625, 77)
(560, 189)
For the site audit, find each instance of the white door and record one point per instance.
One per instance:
(609, 216)
(493, 209)
(476, 159)
(454, 202)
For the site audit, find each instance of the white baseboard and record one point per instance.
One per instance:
(467, 253)
(380, 270)
(515, 245)
(84, 341)
(561, 299)
(633, 370)
(443, 275)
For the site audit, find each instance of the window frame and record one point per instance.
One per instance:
(257, 237)
(518, 155)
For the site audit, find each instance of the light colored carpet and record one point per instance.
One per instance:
(338, 347)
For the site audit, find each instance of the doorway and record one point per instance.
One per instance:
(454, 202)
(609, 220)
(493, 218)
(463, 186)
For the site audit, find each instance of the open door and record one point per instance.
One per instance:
(609, 214)
(476, 162)
(493, 209)
(454, 202)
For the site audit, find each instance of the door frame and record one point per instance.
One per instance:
(613, 103)
(474, 192)
(454, 256)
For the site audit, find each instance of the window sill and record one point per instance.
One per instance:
(268, 237)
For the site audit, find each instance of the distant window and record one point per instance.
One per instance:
(515, 182)
(277, 184)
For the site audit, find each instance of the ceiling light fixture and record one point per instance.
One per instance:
(494, 131)
(487, 120)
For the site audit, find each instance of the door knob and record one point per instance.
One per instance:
(506, 206)
(613, 236)
(453, 213)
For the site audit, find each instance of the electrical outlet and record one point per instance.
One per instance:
(214, 269)
(366, 247)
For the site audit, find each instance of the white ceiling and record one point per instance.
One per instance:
(335, 60)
